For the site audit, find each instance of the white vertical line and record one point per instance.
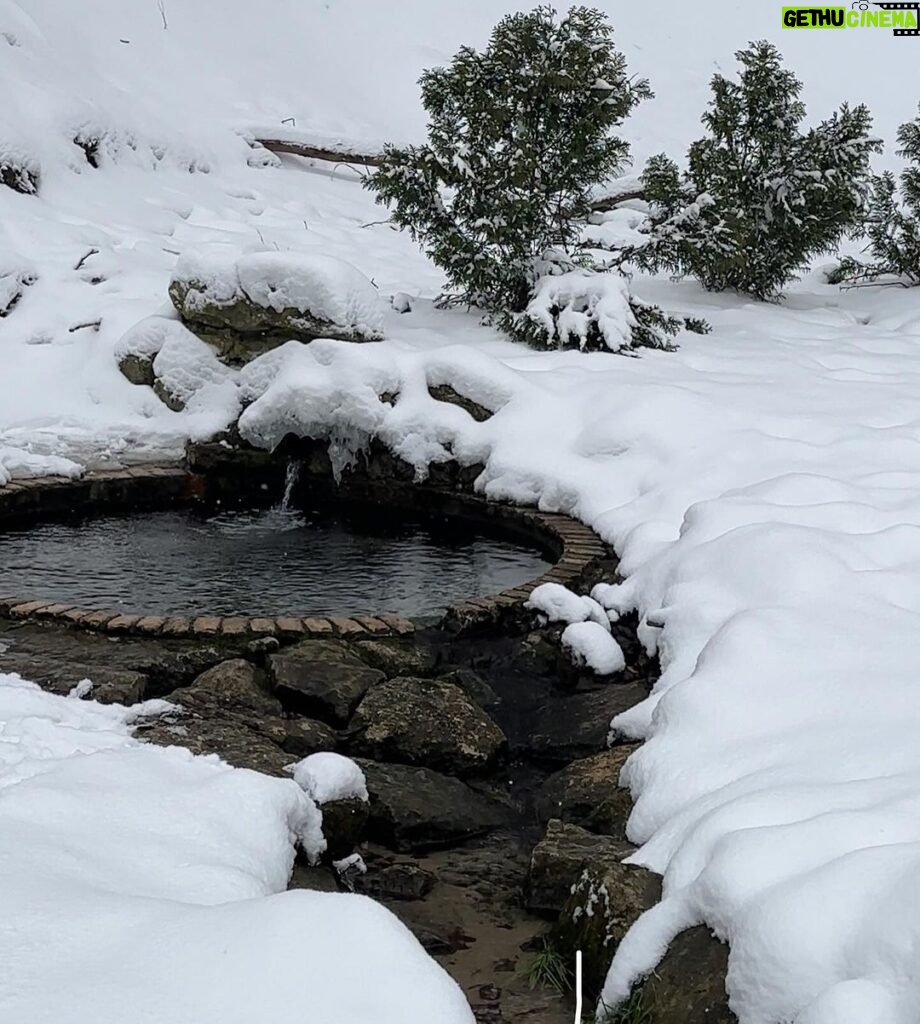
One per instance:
(578, 987)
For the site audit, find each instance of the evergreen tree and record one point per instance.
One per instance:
(518, 137)
(760, 197)
(893, 224)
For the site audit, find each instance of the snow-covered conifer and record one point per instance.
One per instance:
(518, 137)
(760, 197)
(893, 223)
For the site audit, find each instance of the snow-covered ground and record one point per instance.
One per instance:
(144, 883)
(761, 485)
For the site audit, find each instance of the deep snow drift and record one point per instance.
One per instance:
(761, 485)
(144, 881)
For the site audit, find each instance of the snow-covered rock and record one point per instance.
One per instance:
(278, 294)
(557, 603)
(591, 645)
(326, 777)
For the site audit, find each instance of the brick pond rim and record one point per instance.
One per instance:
(574, 549)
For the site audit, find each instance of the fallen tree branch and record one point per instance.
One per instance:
(607, 203)
(314, 152)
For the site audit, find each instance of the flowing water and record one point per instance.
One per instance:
(274, 561)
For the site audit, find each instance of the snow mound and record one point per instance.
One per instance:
(557, 603)
(193, 376)
(589, 644)
(320, 287)
(326, 776)
(107, 844)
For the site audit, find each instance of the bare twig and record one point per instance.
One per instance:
(84, 258)
(161, 7)
(94, 324)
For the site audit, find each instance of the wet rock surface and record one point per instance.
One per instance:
(558, 860)
(413, 808)
(582, 794)
(321, 678)
(606, 899)
(688, 986)
(425, 722)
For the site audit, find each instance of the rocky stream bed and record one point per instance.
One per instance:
(493, 814)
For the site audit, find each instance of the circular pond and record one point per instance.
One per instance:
(258, 561)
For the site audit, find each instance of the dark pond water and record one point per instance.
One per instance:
(259, 561)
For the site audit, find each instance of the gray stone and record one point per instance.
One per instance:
(305, 736)
(446, 393)
(394, 658)
(414, 809)
(475, 687)
(344, 825)
(586, 793)
(226, 712)
(576, 725)
(688, 986)
(607, 898)
(558, 859)
(236, 685)
(321, 678)
(396, 882)
(138, 369)
(425, 722)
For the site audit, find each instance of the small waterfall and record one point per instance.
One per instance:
(290, 481)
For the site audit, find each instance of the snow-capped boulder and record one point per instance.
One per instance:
(183, 371)
(337, 785)
(248, 303)
(590, 645)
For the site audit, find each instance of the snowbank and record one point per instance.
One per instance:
(121, 863)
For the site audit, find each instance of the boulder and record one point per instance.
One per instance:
(344, 825)
(449, 394)
(394, 657)
(688, 986)
(606, 900)
(586, 793)
(246, 304)
(425, 722)
(110, 685)
(414, 809)
(236, 685)
(203, 727)
(558, 860)
(403, 882)
(321, 678)
(226, 711)
(475, 687)
(576, 725)
(138, 369)
(305, 736)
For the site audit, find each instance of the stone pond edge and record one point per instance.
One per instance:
(578, 549)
